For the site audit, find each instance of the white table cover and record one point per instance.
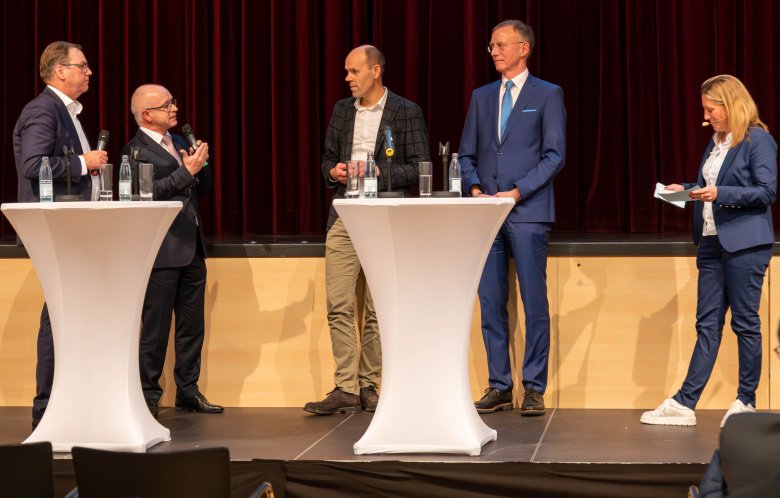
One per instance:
(423, 259)
(93, 260)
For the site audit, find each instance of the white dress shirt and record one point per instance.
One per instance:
(364, 134)
(74, 109)
(710, 173)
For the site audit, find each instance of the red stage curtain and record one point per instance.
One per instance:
(258, 80)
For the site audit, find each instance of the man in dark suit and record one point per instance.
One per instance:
(513, 145)
(356, 130)
(47, 124)
(178, 280)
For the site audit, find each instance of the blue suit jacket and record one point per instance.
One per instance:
(747, 186)
(43, 128)
(531, 155)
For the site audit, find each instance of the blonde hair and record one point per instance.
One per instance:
(729, 92)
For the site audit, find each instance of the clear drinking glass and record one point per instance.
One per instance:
(145, 176)
(353, 179)
(106, 182)
(426, 178)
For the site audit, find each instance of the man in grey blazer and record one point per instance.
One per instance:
(47, 124)
(178, 280)
(356, 129)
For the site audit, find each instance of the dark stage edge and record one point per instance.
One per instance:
(566, 453)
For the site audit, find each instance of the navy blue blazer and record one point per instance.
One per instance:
(747, 187)
(43, 128)
(531, 155)
(175, 183)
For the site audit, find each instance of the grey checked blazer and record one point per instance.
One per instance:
(409, 132)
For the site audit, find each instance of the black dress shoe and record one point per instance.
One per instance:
(197, 403)
(533, 403)
(494, 400)
(153, 407)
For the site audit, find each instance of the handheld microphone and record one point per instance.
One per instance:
(102, 142)
(709, 123)
(389, 143)
(190, 136)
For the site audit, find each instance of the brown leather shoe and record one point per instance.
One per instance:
(197, 403)
(533, 403)
(368, 398)
(494, 400)
(337, 401)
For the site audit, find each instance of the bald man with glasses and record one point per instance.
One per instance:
(178, 280)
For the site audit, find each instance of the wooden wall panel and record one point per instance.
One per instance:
(622, 334)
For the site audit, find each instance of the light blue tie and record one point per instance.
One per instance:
(506, 108)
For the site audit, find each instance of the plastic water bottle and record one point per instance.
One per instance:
(44, 181)
(455, 175)
(125, 180)
(369, 178)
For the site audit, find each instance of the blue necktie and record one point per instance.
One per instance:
(506, 108)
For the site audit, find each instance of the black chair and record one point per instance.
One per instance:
(26, 471)
(199, 473)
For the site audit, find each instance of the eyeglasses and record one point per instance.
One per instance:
(84, 67)
(501, 46)
(165, 107)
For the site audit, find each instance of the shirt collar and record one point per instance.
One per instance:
(518, 80)
(725, 144)
(379, 105)
(157, 137)
(74, 106)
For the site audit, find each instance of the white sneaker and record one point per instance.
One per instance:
(737, 407)
(669, 413)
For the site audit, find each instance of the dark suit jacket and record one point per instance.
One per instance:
(43, 128)
(531, 155)
(409, 133)
(748, 461)
(747, 186)
(174, 183)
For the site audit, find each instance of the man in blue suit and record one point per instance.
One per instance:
(513, 145)
(48, 123)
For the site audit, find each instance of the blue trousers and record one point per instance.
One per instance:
(527, 243)
(727, 280)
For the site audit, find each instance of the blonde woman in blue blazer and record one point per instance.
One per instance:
(732, 226)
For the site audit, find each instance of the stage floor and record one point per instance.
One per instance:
(563, 436)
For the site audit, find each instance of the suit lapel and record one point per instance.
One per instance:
(388, 116)
(492, 109)
(707, 151)
(727, 162)
(161, 156)
(349, 130)
(64, 115)
(528, 90)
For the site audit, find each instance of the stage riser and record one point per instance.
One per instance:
(304, 479)
(622, 333)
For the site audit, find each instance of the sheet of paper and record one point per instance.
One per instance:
(676, 198)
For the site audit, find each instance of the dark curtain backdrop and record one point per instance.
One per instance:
(258, 79)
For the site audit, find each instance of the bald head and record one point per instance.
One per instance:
(145, 97)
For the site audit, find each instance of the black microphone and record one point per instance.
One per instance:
(389, 143)
(102, 142)
(190, 136)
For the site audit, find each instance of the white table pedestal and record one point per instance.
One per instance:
(93, 261)
(423, 259)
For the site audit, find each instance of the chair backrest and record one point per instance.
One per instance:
(26, 471)
(199, 473)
